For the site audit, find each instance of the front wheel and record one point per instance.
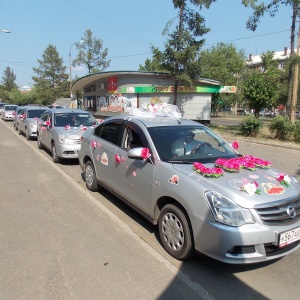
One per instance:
(27, 134)
(39, 144)
(90, 177)
(55, 157)
(175, 232)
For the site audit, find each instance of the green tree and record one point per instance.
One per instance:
(91, 53)
(9, 79)
(181, 51)
(225, 64)
(259, 9)
(51, 81)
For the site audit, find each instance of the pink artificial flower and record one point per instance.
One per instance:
(48, 123)
(94, 144)
(67, 127)
(284, 179)
(145, 153)
(235, 145)
(118, 158)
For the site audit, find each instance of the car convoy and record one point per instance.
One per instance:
(200, 192)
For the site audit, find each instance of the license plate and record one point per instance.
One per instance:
(288, 237)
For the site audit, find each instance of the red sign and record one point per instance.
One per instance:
(112, 84)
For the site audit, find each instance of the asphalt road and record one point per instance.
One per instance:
(60, 241)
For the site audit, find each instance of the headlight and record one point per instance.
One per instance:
(64, 139)
(226, 211)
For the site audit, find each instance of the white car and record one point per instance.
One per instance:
(8, 112)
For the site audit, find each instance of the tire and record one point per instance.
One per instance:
(90, 177)
(39, 144)
(175, 232)
(55, 158)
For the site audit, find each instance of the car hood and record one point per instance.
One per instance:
(73, 131)
(230, 185)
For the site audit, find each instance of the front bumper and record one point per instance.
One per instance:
(251, 243)
(67, 151)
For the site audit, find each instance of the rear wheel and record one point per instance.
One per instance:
(175, 232)
(55, 157)
(90, 177)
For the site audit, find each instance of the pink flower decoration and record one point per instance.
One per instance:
(284, 179)
(210, 172)
(94, 144)
(118, 158)
(13, 113)
(48, 123)
(67, 127)
(43, 128)
(235, 145)
(145, 153)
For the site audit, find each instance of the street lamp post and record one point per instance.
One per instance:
(70, 62)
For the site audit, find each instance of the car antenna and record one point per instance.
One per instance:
(169, 112)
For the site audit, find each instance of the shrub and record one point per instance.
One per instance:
(281, 127)
(296, 132)
(250, 126)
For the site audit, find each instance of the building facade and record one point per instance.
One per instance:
(111, 93)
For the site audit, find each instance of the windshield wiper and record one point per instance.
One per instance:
(180, 162)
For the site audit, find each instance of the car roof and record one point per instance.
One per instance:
(33, 107)
(68, 110)
(157, 121)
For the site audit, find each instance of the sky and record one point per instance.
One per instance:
(127, 28)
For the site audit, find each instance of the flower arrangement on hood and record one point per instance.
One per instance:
(67, 127)
(247, 162)
(284, 179)
(250, 188)
(205, 171)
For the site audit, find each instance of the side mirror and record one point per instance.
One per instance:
(135, 153)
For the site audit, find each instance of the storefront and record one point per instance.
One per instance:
(110, 93)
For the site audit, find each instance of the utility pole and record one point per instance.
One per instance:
(296, 81)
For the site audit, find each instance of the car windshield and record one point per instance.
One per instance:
(10, 107)
(35, 113)
(74, 119)
(188, 144)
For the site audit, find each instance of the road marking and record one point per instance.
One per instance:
(197, 288)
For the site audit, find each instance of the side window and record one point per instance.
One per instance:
(111, 132)
(133, 138)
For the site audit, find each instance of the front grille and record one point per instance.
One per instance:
(275, 213)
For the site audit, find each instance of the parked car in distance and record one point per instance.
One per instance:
(1, 106)
(18, 113)
(203, 195)
(60, 131)
(28, 120)
(8, 112)
(55, 106)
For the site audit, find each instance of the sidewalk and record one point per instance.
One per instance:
(58, 242)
